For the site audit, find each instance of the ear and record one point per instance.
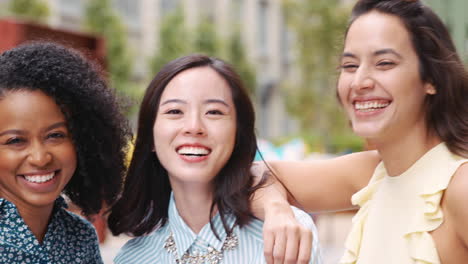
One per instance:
(430, 89)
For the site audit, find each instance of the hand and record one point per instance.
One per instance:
(285, 239)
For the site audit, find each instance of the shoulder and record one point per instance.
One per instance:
(254, 229)
(456, 199)
(304, 218)
(456, 193)
(78, 234)
(253, 232)
(143, 249)
(74, 222)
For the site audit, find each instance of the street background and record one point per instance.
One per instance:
(285, 50)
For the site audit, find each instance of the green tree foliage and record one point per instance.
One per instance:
(176, 41)
(238, 58)
(318, 28)
(205, 40)
(103, 20)
(34, 10)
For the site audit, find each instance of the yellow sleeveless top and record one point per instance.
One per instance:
(396, 213)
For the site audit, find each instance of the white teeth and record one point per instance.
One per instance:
(40, 178)
(370, 105)
(193, 151)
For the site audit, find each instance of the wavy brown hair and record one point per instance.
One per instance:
(439, 64)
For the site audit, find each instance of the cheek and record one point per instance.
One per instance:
(68, 154)
(342, 90)
(232, 134)
(9, 160)
(162, 136)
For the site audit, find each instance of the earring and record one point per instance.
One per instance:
(431, 90)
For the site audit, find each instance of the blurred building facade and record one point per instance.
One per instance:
(453, 14)
(263, 29)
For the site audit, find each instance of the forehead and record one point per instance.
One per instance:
(28, 106)
(198, 83)
(376, 30)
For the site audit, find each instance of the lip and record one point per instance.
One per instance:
(366, 99)
(41, 187)
(193, 145)
(36, 173)
(193, 159)
(369, 98)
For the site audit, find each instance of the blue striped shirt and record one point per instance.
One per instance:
(150, 248)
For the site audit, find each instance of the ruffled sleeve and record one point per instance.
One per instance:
(424, 185)
(421, 246)
(362, 198)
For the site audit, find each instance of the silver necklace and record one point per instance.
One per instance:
(212, 256)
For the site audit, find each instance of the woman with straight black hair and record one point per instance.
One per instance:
(405, 90)
(186, 195)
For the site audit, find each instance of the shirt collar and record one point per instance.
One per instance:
(184, 237)
(5, 205)
(9, 214)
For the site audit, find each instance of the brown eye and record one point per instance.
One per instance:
(173, 112)
(385, 65)
(349, 67)
(56, 135)
(14, 141)
(214, 112)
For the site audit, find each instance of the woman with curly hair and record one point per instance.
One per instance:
(186, 195)
(61, 132)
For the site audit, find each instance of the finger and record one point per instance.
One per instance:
(292, 246)
(305, 247)
(268, 242)
(279, 247)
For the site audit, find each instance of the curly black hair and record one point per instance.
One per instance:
(99, 130)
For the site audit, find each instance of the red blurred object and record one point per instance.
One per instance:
(14, 32)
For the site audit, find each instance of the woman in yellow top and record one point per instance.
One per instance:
(405, 90)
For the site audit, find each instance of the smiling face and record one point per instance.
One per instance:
(380, 85)
(37, 155)
(195, 127)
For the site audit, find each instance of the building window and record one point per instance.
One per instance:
(71, 8)
(238, 8)
(168, 6)
(130, 11)
(207, 13)
(263, 27)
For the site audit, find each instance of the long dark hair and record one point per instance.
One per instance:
(144, 203)
(439, 64)
(98, 128)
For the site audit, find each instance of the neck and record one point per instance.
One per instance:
(37, 219)
(193, 205)
(401, 152)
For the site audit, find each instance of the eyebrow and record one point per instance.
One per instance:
(208, 101)
(22, 132)
(376, 53)
(12, 131)
(387, 51)
(57, 125)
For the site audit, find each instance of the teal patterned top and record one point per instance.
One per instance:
(69, 238)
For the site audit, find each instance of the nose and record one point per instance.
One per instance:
(39, 155)
(194, 125)
(362, 80)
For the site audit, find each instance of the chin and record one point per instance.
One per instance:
(367, 132)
